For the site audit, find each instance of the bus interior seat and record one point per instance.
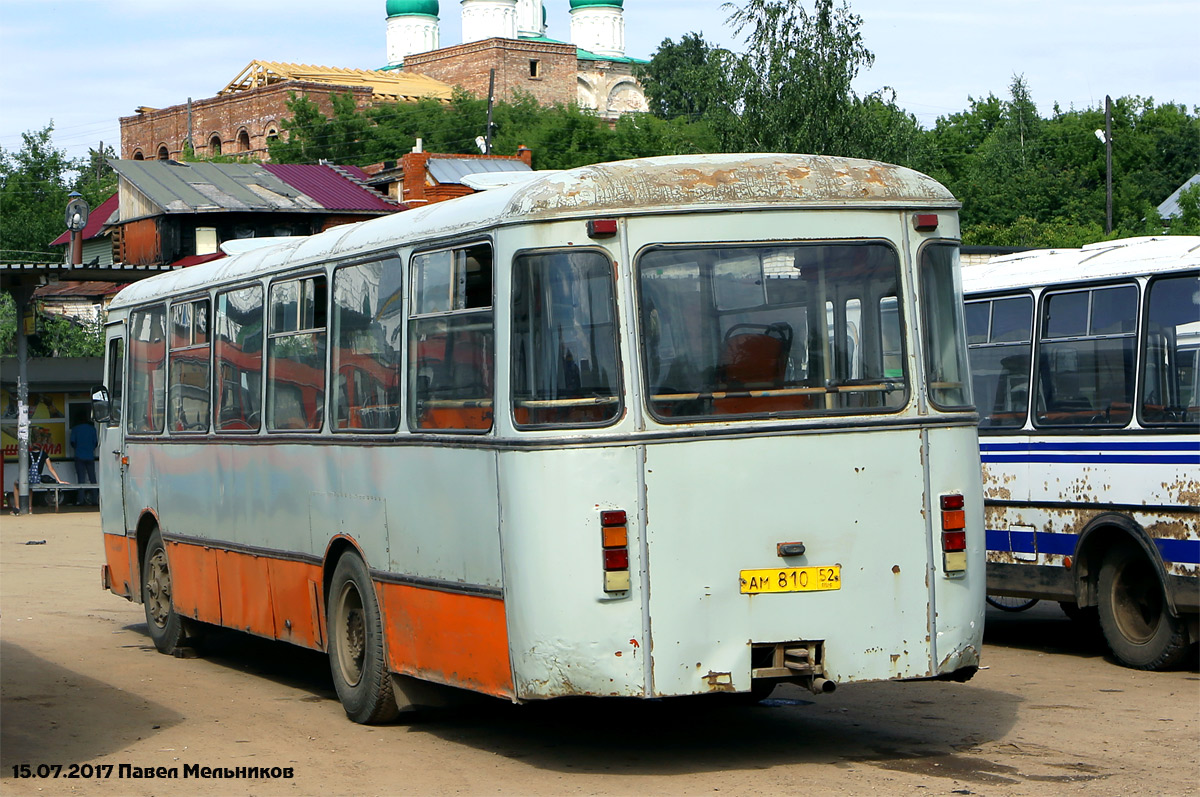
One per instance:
(755, 357)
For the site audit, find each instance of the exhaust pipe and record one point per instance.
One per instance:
(821, 686)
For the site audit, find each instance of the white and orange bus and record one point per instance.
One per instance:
(664, 427)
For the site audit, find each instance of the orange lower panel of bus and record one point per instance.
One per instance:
(450, 638)
(119, 554)
(455, 639)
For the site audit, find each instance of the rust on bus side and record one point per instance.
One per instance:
(445, 637)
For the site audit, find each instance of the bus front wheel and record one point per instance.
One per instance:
(168, 630)
(1134, 616)
(356, 656)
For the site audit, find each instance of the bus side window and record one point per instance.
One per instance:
(451, 340)
(368, 328)
(238, 347)
(189, 390)
(999, 334)
(147, 370)
(564, 340)
(296, 355)
(1086, 357)
(1171, 385)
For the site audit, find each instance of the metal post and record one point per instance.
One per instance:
(1108, 163)
(21, 295)
(487, 146)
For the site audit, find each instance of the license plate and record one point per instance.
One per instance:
(791, 579)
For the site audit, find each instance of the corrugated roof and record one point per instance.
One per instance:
(1170, 209)
(340, 188)
(452, 170)
(85, 289)
(204, 187)
(97, 219)
(386, 85)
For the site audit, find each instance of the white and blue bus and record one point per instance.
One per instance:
(674, 426)
(1086, 374)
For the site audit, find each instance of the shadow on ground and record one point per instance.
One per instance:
(55, 715)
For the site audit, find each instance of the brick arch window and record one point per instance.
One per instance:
(272, 132)
(138, 156)
(164, 154)
(243, 140)
(214, 144)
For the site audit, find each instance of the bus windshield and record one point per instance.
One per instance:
(763, 330)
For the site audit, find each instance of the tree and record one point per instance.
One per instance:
(34, 184)
(794, 80)
(689, 80)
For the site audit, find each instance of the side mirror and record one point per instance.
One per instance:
(101, 405)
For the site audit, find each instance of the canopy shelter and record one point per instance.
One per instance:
(21, 280)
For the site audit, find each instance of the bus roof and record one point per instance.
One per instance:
(648, 185)
(1104, 260)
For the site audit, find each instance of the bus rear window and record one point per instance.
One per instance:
(771, 330)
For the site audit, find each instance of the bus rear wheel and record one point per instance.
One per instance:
(1134, 616)
(168, 630)
(356, 655)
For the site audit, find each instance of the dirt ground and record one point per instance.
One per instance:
(82, 684)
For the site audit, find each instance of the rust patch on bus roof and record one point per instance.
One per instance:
(727, 180)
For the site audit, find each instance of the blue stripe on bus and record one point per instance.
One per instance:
(1108, 453)
(1171, 445)
(1097, 459)
(1173, 551)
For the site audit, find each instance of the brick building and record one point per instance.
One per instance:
(506, 35)
(245, 115)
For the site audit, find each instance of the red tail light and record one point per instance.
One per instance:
(954, 533)
(614, 540)
(953, 541)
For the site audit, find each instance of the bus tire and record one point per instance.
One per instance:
(168, 630)
(1134, 616)
(356, 655)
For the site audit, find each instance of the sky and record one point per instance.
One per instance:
(85, 63)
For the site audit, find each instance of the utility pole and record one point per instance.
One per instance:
(1108, 163)
(487, 139)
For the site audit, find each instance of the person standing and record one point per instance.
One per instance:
(83, 443)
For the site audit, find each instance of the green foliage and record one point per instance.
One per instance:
(1188, 221)
(57, 336)
(794, 80)
(689, 80)
(34, 184)
(561, 136)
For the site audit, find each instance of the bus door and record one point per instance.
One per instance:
(110, 467)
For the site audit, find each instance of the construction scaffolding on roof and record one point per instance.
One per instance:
(391, 85)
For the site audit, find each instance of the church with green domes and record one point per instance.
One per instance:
(511, 37)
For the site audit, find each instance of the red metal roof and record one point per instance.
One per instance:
(97, 218)
(195, 260)
(335, 187)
